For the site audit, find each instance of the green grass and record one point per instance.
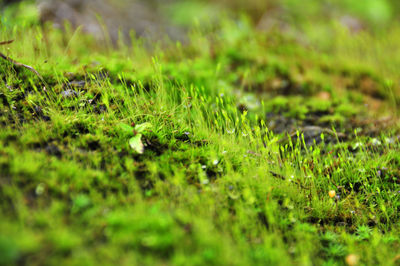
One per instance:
(231, 173)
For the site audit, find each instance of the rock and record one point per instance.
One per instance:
(313, 134)
(69, 93)
(353, 24)
(143, 17)
(80, 84)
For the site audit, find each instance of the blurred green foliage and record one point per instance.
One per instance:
(374, 12)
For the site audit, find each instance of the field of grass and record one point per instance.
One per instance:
(239, 147)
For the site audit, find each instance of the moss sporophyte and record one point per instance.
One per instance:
(264, 138)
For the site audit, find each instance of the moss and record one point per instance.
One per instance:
(248, 132)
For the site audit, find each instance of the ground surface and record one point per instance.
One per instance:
(221, 151)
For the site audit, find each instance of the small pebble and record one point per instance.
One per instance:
(69, 93)
(77, 84)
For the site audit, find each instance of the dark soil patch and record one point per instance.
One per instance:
(368, 85)
(142, 176)
(93, 145)
(336, 221)
(53, 150)
(154, 145)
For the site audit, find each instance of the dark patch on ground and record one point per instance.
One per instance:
(154, 145)
(368, 85)
(187, 138)
(335, 220)
(76, 129)
(93, 145)
(39, 114)
(312, 128)
(142, 176)
(53, 150)
(264, 220)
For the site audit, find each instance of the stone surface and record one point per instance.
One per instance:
(94, 16)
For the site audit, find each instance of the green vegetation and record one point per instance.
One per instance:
(219, 151)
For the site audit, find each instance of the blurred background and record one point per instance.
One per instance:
(366, 31)
(156, 17)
